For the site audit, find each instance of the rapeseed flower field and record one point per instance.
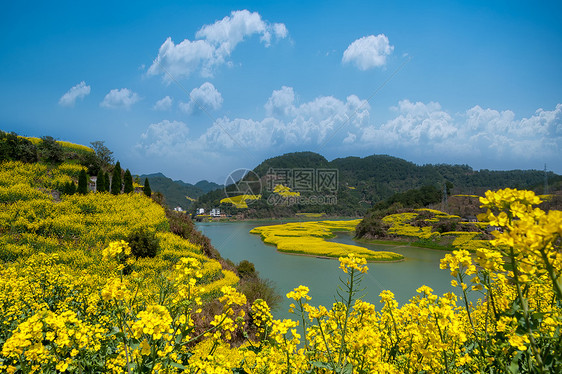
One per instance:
(69, 304)
(308, 238)
(239, 201)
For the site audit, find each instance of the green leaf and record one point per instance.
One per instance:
(348, 369)
(321, 365)
(176, 365)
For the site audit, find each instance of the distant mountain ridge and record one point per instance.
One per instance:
(175, 191)
(368, 180)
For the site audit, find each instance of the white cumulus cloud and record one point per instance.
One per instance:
(281, 102)
(120, 98)
(214, 45)
(368, 52)
(205, 97)
(164, 103)
(165, 138)
(79, 91)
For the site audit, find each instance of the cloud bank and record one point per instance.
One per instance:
(327, 124)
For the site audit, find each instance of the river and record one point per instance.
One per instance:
(420, 267)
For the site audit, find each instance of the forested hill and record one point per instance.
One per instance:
(178, 193)
(365, 181)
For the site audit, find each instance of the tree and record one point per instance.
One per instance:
(128, 179)
(50, 150)
(82, 182)
(91, 161)
(100, 182)
(146, 189)
(70, 188)
(116, 179)
(107, 181)
(103, 153)
(14, 147)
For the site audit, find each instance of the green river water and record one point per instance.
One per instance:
(421, 267)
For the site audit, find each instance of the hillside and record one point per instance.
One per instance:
(361, 182)
(176, 192)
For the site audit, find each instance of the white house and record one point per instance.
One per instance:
(200, 211)
(178, 209)
(215, 212)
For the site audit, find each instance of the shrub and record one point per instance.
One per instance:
(82, 183)
(128, 181)
(259, 288)
(146, 189)
(246, 269)
(116, 180)
(143, 243)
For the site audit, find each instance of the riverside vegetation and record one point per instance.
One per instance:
(76, 298)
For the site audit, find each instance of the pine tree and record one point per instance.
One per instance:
(82, 182)
(107, 181)
(146, 189)
(116, 180)
(100, 182)
(128, 179)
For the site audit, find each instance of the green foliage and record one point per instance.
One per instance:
(176, 191)
(246, 269)
(370, 180)
(146, 189)
(371, 227)
(103, 154)
(259, 288)
(143, 243)
(255, 287)
(90, 161)
(82, 183)
(414, 198)
(116, 180)
(69, 188)
(50, 150)
(16, 148)
(107, 181)
(183, 226)
(100, 182)
(128, 181)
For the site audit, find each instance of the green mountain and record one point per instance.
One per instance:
(176, 192)
(360, 183)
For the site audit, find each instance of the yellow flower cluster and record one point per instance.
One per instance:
(285, 191)
(308, 238)
(240, 200)
(351, 262)
(116, 250)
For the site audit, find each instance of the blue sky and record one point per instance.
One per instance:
(197, 90)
